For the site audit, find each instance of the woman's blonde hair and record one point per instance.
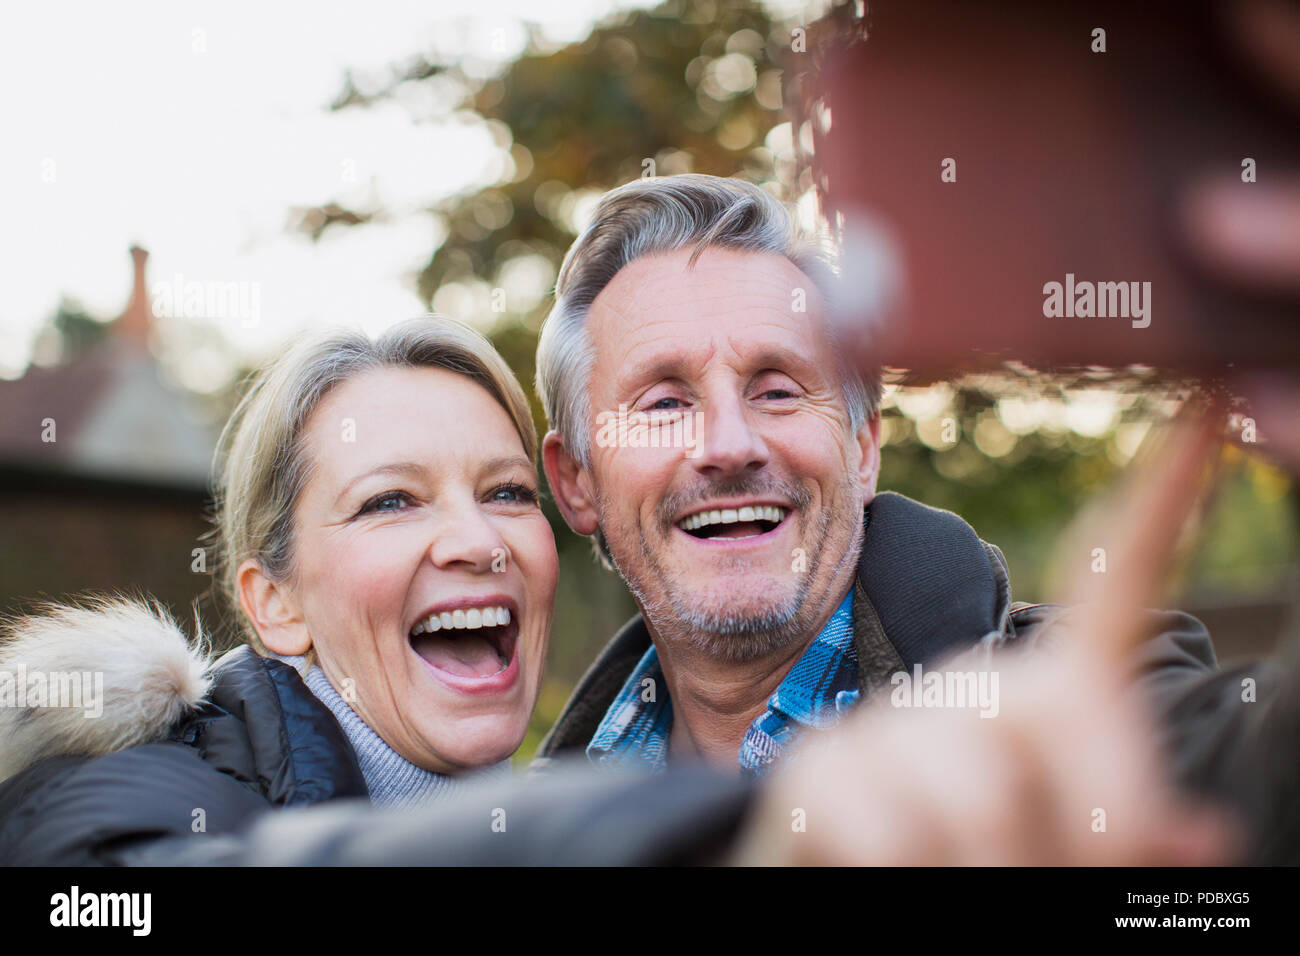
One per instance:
(263, 467)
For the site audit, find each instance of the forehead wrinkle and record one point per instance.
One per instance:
(733, 300)
(689, 306)
(708, 303)
(633, 368)
(760, 315)
(653, 276)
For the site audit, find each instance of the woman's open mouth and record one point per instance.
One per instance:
(468, 644)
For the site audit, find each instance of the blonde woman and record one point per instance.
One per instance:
(383, 549)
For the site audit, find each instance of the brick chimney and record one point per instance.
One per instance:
(136, 322)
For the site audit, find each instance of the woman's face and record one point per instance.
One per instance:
(424, 570)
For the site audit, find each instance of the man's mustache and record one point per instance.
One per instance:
(684, 500)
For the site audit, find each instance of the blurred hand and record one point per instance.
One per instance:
(1066, 773)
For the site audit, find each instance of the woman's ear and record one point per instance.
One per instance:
(571, 484)
(271, 607)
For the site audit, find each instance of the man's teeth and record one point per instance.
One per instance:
(732, 516)
(464, 619)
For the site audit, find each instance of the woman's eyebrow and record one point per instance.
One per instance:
(504, 462)
(403, 469)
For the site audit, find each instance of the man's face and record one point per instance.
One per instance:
(746, 533)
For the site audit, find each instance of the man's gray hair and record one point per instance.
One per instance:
(659, 215)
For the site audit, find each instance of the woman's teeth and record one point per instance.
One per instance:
(466, 619)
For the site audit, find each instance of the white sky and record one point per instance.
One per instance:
(192, 129)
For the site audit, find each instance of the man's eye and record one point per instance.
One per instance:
(661, 406)
(388, 501)
(777, 393)
(514, 494)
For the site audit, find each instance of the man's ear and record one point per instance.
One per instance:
(269, 604)
(571, 484)
(869, 447)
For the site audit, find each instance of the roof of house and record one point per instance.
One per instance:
(108, 414)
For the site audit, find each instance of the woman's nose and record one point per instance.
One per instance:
(465, 537)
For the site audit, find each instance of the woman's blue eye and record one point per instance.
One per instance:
(514, 493)
(388, 501)
(781, 392)
(660, 406)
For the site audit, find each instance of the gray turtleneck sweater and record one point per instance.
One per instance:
(393, 780)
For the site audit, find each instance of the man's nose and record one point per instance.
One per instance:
(729, 440)
(466, 538)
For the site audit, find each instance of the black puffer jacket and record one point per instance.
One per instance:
(260, 741)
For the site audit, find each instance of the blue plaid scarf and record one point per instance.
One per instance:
(818, 690)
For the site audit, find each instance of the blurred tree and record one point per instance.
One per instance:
(671, 90)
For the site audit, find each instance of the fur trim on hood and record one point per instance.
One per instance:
(95, 677)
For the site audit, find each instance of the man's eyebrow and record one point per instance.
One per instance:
(779, 358)
(671, 366)
(654, 369)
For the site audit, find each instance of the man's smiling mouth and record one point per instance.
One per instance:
(747, 521)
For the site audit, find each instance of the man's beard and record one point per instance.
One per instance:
(727, 635)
